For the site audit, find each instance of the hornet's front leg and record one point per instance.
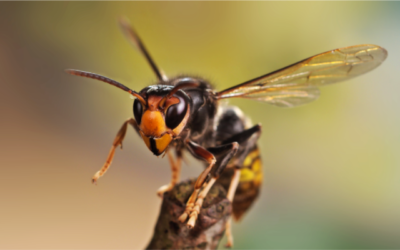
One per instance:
(176, 172)
(195, 202)
(117, 142)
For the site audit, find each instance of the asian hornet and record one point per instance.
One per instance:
(183, 113)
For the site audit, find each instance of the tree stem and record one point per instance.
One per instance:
(169, 233)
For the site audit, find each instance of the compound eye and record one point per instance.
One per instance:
(137, 111)
(175, 114)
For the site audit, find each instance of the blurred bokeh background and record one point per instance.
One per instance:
(332, 167)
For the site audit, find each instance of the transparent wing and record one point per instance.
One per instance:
(298, 83)
(286, 97)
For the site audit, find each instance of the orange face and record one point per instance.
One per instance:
(161, 120)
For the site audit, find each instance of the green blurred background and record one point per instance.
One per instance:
(332, 167)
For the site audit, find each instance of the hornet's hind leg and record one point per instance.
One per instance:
(247, 140)
(231, 193)
(117, 142)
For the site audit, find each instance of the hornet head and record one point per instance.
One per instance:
(161, 111)
(162, 116)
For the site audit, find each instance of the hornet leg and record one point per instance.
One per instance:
(201, 153)
(195, 202)
(247, 139)
(176, 172)
(231, 194)
(117, 142)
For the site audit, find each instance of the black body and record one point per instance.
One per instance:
(212, 130)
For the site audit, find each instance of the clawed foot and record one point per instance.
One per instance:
(229, 245)
(194, 204)
(96, 177)
(163, 189)
(192, 213)
(193, 208)
(228, 233)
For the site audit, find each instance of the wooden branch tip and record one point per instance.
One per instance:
(170, 233)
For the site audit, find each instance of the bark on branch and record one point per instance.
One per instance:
(169, 233)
